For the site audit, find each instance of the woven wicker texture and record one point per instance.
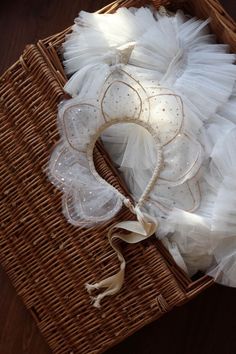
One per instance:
(47, 259)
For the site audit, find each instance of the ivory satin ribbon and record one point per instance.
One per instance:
(139, 230)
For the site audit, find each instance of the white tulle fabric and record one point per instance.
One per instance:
(172, 90)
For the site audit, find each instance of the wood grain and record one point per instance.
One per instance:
(206, 325)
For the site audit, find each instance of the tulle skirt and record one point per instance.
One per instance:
(196, 210)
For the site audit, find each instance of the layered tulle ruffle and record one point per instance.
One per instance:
(194, 199)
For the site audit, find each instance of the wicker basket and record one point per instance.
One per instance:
(49, 260)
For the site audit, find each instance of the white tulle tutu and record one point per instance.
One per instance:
(194, 199)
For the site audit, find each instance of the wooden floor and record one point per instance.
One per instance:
(207, 325)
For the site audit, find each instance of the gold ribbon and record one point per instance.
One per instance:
(139, 230)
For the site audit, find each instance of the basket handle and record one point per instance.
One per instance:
(128, 3)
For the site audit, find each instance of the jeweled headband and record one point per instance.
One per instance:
(120, 99)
